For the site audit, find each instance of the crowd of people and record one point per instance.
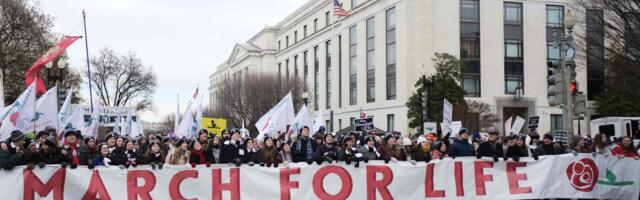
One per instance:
(71, 149)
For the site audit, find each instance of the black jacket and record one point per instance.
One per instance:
(81, 152)
(299, 154)
(490, 149)
(251, 156)
(53, 156)
(324, 151)
(350, 154)
(418, 155)
(230, 151)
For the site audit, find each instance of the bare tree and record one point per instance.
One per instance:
(252, 96)
(122, 79)
(477, 116)
(24, 37)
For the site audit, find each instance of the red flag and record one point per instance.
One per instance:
(34, 71)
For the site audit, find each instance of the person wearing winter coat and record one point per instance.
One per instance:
(326, 151)
(215, 147)
(179, 155)
(102, 159)
(601, 144)
(491, 148)
(392, 151)
(285, 153)
(625, 149)
(131, 154)
(304, 147)
(349, 153)
(421, 152)
(154, 155)
(252, 153)
(49, 152)
(232, 150)
(439, 151)
(269, 154)
(579, 145)
(92, 147)
(199, 154)
(548, 147)
(369, 149)
(461, 146)
(514, 151)
(72, 153)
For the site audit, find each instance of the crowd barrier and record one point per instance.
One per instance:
(562, 176)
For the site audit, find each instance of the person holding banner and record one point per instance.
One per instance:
(14, 154)
(73, 153)
(103, 158)
(252, 153)
(421, 152)
(461, 146)
(625, 149)
(269, 153)
(391, 150)
(154, 155)
(349, 153)
(49, 153)
(304, 147)
(232, 150)
(326, 151)
(369, 148)
(491, 148)
(548, 147)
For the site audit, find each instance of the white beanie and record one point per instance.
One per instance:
(421, 139)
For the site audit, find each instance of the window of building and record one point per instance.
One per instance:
(340, 71)
(513, 48)
(279, 71)
(287, 41)
(327, 19)
(391, 53)
(371, 69)
(304, 31)
(286, 67)
(352, 120)
(329, 127)
(295, 67)
(556, 122)
(295, 37)
(328, 74)
(353, 69)
(315, 25)
(339, 124)
(390, 123)
(316, 76)
(355, 3)
(279, 45)
(305, 65)
(470, 47)
(555, 31)
(595, 53)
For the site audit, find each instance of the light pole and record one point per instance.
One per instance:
(568, 65)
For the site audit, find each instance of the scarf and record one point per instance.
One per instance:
(426, 149)
(309, 150)
(200, 156)
(74, 152)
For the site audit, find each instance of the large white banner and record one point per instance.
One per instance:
(565, 176)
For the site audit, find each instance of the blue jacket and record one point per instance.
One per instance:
(461, 148)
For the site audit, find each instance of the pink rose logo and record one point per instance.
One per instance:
(583, 174)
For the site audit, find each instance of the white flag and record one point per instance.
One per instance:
(198, 119)
(20, 113)
(46, 110)
(65, 111)
(317, 124)
(75, 121)
(128, 125)
(302, 119)
(277, 118)
(185, 125)
(91, 129)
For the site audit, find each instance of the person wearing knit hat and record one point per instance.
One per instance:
(548, 147)
(349, 153)
(491, 148)
(16, 154)
(72, 152)
(422, 150)
(461, 146)
(370, 148)
(49, 152)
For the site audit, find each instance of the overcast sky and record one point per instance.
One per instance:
(183, 40)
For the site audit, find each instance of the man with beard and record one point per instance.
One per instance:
(548, 147)
(303, 148)
(326, 151)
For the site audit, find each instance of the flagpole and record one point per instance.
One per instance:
(86, 46)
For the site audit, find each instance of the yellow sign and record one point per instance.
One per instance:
(214, 125)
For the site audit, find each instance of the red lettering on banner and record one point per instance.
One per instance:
(513, 177)
(96, 188)
(176, 180)
(458, 175)
(345, 179)
(481, 178)
(285, 184)
(33, 184)
(374, 185)
(134, 190)
(233, 186)
(429, 192)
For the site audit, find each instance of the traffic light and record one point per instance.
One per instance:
(579, 104)
(555, 78)
(574, 87)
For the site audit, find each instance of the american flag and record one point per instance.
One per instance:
(338, 10)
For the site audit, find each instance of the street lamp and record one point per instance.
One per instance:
(569, 20)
